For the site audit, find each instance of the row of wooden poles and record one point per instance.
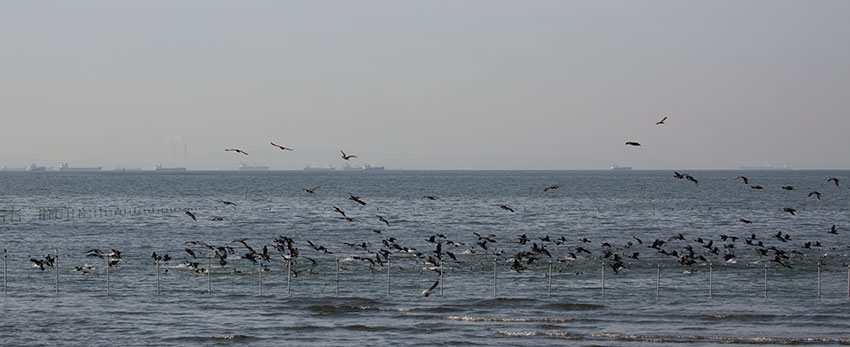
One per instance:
(74, 213)
(10, 216)
(388, 287)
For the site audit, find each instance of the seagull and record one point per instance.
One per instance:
(551, 187)
(505, 207)
(235, 150)
(792, 211)
(312, 190)
(382, 219)
(281, 147)
(661, 121)
(346, 157)
(816, 194)
(632, 143)
(430, 197)
(427, 292)
(190, 214)
(746, 180)
(834, 180)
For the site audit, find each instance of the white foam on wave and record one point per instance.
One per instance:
(506, 320)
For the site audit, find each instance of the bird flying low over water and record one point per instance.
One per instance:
(680, 176)
(661, 121)
(816, 194)
(632, 143)
(744, 220)
(792, 211)
(833, 180)
(235, 150)
(282, 148)
(382, 219)
(226, 202)
(746, 180)
(312, 190)
(692, 179)
(430, 197)
(190, 214)
(554, 186)
(787, 187)
(427, 292)
(756, 187)
(346, 157)
(506, 208)
(356, 199)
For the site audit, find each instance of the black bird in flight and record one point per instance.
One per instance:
(430, 197)
(356, 199)
(744, 220)
(692, 179)
(226, 202)
(632, 143)
(346, 157)
(340, 211)
(787, 187)
(505, 207)
(551, 188)
(427, 292)
(680, 176)
(792, 211)
(235, 150)
(756, 187)
(833, 180)
(661, 121)
(190, 214)
(746, 180)
(282, 148)
(312, 190)
(816, 194)
(382, 219)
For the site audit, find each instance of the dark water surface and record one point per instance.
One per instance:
(147, 216)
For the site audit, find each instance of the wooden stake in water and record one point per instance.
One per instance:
(658, 282)
(5, 276)
(56, 267)
(289, 277)
(819, 279)
(209, 274)
(765, 281)
(494, 276)
(337, 276)
(107, 275)
(441, 277)
(550, 278)
(388, 275)
(260, 278)
(710, 275)
(603, 279)
(157, 278)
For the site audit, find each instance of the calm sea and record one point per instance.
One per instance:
(339, 298)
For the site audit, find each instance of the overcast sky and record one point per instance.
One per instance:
(426, 84)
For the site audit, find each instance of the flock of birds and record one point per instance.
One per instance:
(687, 252)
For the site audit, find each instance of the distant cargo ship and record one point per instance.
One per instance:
(310, 168)
(245, 167)
(160, 168)
(365, 167)
(65, 168)
(36, 168)
(767, 167)
(620, 168)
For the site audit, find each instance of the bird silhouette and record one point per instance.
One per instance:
(661, 121)
(235, 150)
(346, 157)
(282, 148)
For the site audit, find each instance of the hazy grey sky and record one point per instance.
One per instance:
(426, 84)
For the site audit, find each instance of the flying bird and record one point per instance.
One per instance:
(661, 121)
(746, 180)
(346, 157)
(356, 199)
(382, 219)
(632, 143)
(226, 202)
(190, 214)
(816, 194)
(282, 148)
(427, 292)
(338, 210)
(312, 190)
(430, 197)
(756, 187)
(792, 211)
(235, 150)
(787, 187)
(505, 207)
(551, 188)
(833, 180)
(692, 179)
(744, 220)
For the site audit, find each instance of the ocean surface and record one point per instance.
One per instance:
(310, 300)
